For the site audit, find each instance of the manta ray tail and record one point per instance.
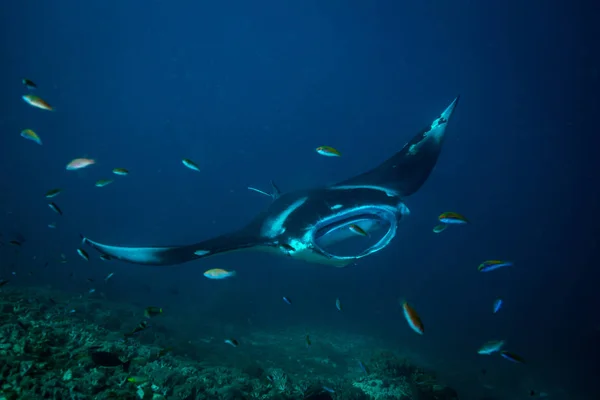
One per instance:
(406, 171)
(171, 255)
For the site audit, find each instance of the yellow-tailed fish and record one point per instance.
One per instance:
(328, 151)
(79, 163)
(137, 379)
(53, 193)
(358, 230)
(452, 218)
(308, 342)
(439, 228)
(31, 135)
(103, 182)
(120, 171)
(491, 265)
(37, 102)
(190, 164)
(150, 312)
(29, 84)
(218, 273)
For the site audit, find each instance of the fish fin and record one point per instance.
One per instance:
(258, 191)
(407, 170)
(172, 255)
(275, 192)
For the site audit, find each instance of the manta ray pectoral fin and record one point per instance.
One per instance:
(406, 171)
(172, 255)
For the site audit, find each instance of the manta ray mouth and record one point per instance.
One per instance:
(336, 236)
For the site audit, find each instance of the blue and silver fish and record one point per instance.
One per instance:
(491, 265)
(497, 305)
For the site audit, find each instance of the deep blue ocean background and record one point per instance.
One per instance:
(248, 90)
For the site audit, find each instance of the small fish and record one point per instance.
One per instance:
(232, 342)
(328, 389)
(15, 243)
(328, 151)
(286, 247)
(363, 368)
(452, 218)
(150, 312)
(37, 102)
(90, 280)
(103, 182)
(338, 304)
(52, 225)
(107, 359)
(540, 395)
(440, 228)
(83, 254)
(308, 342)
(218, 273)
(79, 163)
(358, 230)
(491, 265)
(29, 84)
(92, 291)
(55, 208)
(512, 357)
(120, 171)
(141, 327)
(105, 257)
(31, 135)
(497, 305)
(287, 300)
(412, 318)
(164, 352)
(490, 347)
(190, 164)
(3, 282)
(138, 379)
(109, 276)
(53, 193)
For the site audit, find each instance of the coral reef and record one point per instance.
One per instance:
(47, 339)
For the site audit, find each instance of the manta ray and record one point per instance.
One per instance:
(307, 224)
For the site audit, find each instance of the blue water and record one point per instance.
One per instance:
(248, 90)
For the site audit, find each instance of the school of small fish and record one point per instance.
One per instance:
(412, 318)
